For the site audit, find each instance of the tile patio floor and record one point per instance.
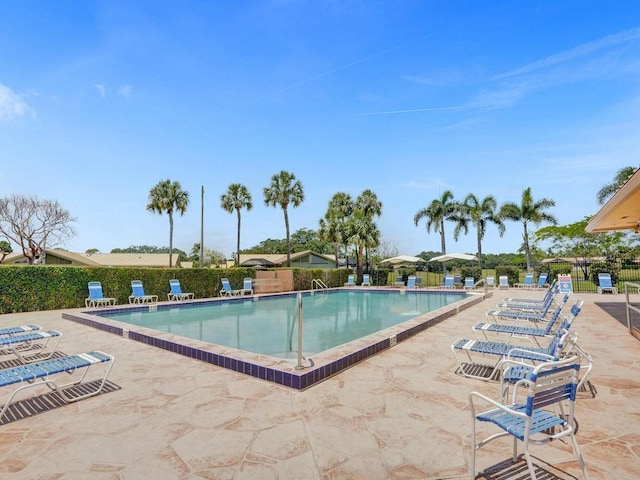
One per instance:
(400, 415)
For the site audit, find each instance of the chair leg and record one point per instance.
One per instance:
(532, 470)
(578, 455)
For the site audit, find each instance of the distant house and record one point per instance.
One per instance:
(572, 260)
(306, 259)
(63, 257)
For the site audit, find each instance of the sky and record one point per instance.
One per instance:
(101, 100)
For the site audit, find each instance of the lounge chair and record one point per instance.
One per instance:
(399, 282)
(20, 329)
(517, 302)
(411, 281)
(447, 282)
(528, 282)
(469, 283)
(605, 284)
(138, 295)
(31, 346)
(530, 315)
(351, 282)
(547, 413)
(227, 291)
(45, 373)
(457, 280)
(247, 286)
(500, 350)
(418, 281)
(503, 282)
(366, 280)
(542, 281)
(176, 292)
(527, 331)
(96, 298)
(491, 282)
(533, 306)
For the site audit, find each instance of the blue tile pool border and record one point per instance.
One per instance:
(284, 373)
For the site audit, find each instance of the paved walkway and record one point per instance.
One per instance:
(400, 415)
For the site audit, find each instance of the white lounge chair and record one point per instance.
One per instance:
(605, 284)
(96, 298)
(503, 282)
(247, 286)
(227, 291)
(138, 295)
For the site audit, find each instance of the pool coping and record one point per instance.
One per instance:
(272, 369)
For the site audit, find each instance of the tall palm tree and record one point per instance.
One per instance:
(371, 207)
(436, 213)
(236, 198)
(284, 190)
(363, 233)
(479, 213)
(529, 211)
(608, 190)
(168, 197)
(332, 226)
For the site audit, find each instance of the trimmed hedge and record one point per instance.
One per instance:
(47, 287)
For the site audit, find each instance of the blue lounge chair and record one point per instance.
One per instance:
(366, 280)
(526, 331)
(447, 282)
(542, 281)
(45, 373)
(457, 280)
(96, 298)
(605, 284)
(516, 303)
(528, 281)
(499, 350)
(138, 295)
(503, 282)
(31, 346)
(227, 291)
(491, 282)
(547, 412)
(411, 281)
(545, 304)
(247, 286)
(176, 292)
(399, 282)
(469, 283)
(20, 329)
(351, 282)
(529, 314)
(418, 281)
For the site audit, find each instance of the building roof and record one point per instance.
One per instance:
(277, 259)
(622, 211)
(133, 259)
(73, 257)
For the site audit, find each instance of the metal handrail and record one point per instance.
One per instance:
(630, 307)
(319, 284)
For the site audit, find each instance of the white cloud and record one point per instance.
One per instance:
(101, 89)
(12, 105)
(125, 91)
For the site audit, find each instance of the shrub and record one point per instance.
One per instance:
(510, 271)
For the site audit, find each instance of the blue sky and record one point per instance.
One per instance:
(101, 100)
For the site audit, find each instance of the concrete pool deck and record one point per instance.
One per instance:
(401, 414)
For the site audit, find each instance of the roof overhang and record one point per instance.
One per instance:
(622, 211)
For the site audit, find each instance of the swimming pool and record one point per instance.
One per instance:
(279, 366)
(270, 327)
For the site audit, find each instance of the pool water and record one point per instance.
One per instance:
(269, 325)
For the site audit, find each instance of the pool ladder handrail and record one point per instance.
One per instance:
(316, 283)
(299, 366)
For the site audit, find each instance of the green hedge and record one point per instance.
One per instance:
(48, 287)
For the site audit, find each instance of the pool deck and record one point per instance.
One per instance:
(401, 414)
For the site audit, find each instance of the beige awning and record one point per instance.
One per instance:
(622, 211)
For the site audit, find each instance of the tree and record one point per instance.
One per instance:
(573, 240)
(34, 224)
(608, 190)
(182, 255)
(436, 213)
(363, 233)
(236, 198)
(479, 213)
(211, 257)
(284, 190)
(168, 197)
(5, 249)
(529, 211)
(368, 203)
(333, 225)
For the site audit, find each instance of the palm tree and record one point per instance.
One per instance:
(436, 213)
(479, 213)
(363, 233)
(168, 197)
(529, 211)
(608, 190)
(332, 226)
(368, 203)
(236, 198)
(284, 190)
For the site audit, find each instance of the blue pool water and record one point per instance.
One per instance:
(268, 325)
